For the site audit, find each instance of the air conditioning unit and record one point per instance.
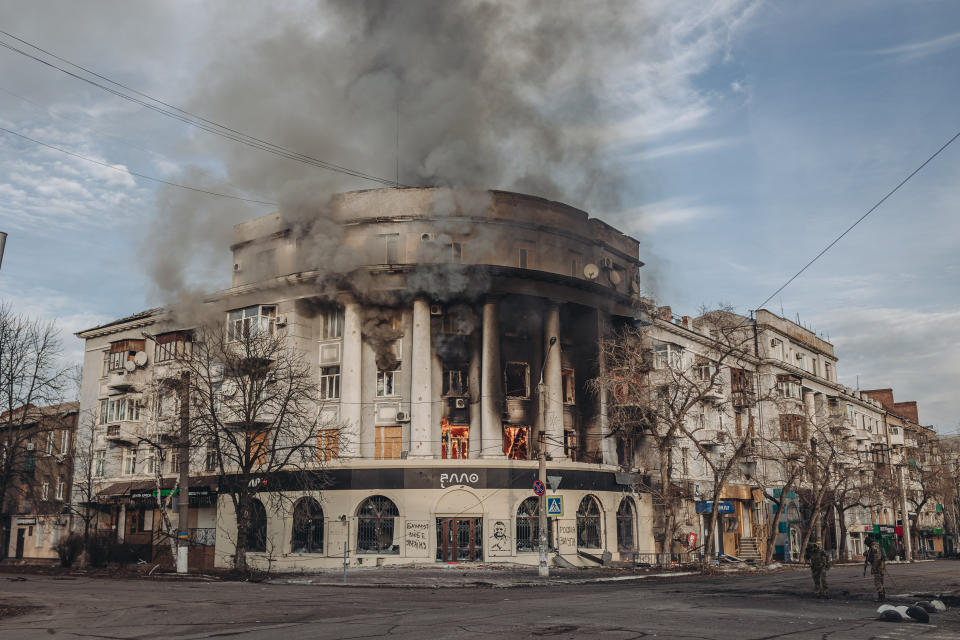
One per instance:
(29, 446)
(460, 403)
(606, 263)
(427, 237)
(436, 310)
(236, 266)
(282, 320)
(403, 416)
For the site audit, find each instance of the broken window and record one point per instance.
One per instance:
(626, 517)
(589, 518)
(517, 380)
(307, 527)
(788, 386)
(123, 351)
(569, 386)
(375, 524)
(256, 526)
(792, 427)
(570, 444)
(515, 442)
(332, 320)
(388, 443)
(386, 383)
(667, 354)
(171, 346)
(528, 526)
(455, 322)
(455, 441)
(455, 382)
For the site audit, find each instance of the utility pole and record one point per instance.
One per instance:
(183, 497)
(907, 542)
(542, 458)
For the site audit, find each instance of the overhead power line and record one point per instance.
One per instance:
(155, 104)
(861, 218)
(134, 173)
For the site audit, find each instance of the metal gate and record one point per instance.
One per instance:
(459, 539)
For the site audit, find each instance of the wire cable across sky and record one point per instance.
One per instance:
(860, 219)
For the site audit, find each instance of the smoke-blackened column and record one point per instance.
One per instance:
(553, 380)
(421, 396)
(491, 403)
(350, 380)
(473, 381)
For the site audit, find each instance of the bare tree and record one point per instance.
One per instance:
(255, 412)
(783, 466)
(665, 393)
(85, 503)
(30, 377)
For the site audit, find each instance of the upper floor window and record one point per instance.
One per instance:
(123, 351)
(789, 386)
(522, 255)
(119, 409)
(391, 248)
(251, 321)
(332, 324)
(739, 381)
(330, 383)
(517, 380)
(802, 361)
(569, 386)
(792, 427)
(386, 383)
(456, 253)
(171, 346)
(666, 354)
(455, 381)
(827, 370)
(99, 461)
(776, 348)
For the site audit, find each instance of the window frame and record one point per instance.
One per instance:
(525, 366)
(246, 324)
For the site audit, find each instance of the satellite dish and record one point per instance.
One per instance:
(591, 271)
(130, 366)
(140, 359)
(615, 277)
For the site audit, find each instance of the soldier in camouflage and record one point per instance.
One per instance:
(819, 565)
(878, 566)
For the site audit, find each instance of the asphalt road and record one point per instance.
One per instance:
(741, 607)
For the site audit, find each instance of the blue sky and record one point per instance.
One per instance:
(750, 135)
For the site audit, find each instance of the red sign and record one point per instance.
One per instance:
(898, 531)
(538, 488)
(691, 540)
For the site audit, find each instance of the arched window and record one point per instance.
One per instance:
(626, 517)
(528, 526)
(588, 524)
(307, 527)
(257, 527)
(375, 518)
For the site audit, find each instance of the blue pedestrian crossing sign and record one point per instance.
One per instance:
(555, 506)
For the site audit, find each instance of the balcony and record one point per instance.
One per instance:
(124, 432)
(121, 381)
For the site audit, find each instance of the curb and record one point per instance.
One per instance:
(477, 583)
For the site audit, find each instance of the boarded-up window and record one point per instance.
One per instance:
(328, 444)
(388, 443)
(257, 441)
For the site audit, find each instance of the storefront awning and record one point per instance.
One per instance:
(737, 492)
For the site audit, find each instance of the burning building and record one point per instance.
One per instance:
(447, 329)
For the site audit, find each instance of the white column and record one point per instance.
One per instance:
(608, 446)
(491, 400)
(473, 381)
(421, 397)
(351, 392)
(553, 381)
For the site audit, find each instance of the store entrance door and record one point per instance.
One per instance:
(459, 539)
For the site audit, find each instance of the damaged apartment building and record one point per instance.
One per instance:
(452, 335)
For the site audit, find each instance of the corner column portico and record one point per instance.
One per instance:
(351, 380)
(553, 380)
(491, 404)
(421, 378)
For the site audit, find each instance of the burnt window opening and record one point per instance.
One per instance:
(528, 526)
(517, 380)
(375, 525)
(515, 442)
(455, 323)
(571, 444)
(256, 526)
(626, 517)
(307, 527)
(386, 384)
(569, 386)
(456, 253)
(455, 441)
(589, 517)
(522, 258)
(455, 383)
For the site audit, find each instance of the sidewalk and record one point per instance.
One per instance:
(471, 576)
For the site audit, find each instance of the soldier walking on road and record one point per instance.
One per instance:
(819, 565)
(878, 567)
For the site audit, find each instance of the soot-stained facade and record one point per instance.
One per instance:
(446, 329)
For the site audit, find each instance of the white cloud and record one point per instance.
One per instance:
(688, 148)
(656, 216)
(917, 50)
